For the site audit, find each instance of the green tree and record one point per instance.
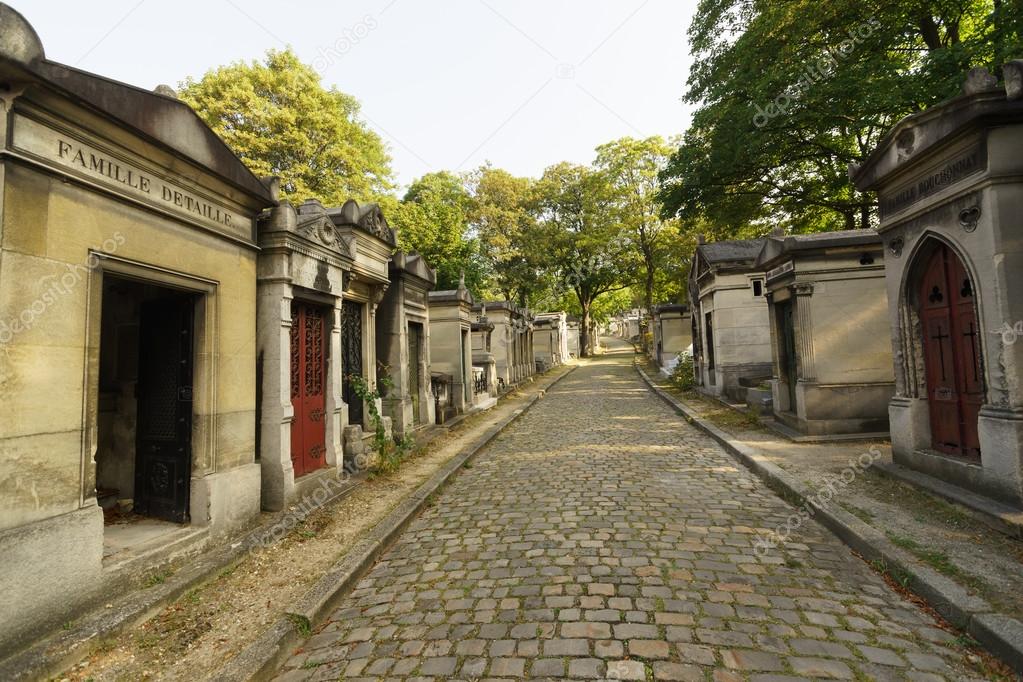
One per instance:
(586, 251)
(500, 218)
(790, 92)
(432, 220)
(632, 167)
(280, 120)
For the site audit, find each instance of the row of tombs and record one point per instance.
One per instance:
(909, 331)
(181, 350)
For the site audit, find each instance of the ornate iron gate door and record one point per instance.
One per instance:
(351, 354)
(955, 385)
(414, 380)
(308, 388)
(163, 454)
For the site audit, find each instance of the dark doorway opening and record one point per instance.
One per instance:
(351, 358)
(144, 448)
(415, 386)
(709, 327)
(787, 333)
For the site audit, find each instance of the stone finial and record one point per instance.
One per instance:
(778, 231)
(978, 79)
(461, 279)
(311, 207)
(19, 42)
(273, 185)
(700, 239)
(1013, 73)
(166, 91)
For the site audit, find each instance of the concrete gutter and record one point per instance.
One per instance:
(261, 659)
(998, 633)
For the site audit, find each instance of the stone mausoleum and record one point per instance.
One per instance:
(829, 331)
(484, 364)
(672, 329)
(321, 274)
(950, 185)
(550, 339)
(128, 263)
(403, 343)
(732, 335)
(451, 350)
(511, 342)
(572, 333)
(371, 241)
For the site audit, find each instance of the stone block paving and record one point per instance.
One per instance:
(602, 537)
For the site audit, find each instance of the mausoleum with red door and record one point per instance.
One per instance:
(951, 205)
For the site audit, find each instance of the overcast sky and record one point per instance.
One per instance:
(448, 84)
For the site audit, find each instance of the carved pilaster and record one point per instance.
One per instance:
(804, 331)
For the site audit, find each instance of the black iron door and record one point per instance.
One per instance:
(788, 350)
(414, 385)
(709, 328)
(163, 451)
(351, 354)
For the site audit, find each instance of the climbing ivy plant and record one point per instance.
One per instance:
(391, 452)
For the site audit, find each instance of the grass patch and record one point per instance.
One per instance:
(937, 560)
(711, 410)
(301, 623)
(862, 514)
(896, 574)
(158, 578)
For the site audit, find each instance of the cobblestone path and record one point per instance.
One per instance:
(602, 537)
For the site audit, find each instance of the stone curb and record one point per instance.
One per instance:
(998, 633)
(260, 659)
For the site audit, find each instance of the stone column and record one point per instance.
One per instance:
(776, 359)
(335, 404)
(276, 412)
(804, 331)
(369, 345)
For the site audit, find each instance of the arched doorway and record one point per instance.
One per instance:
(951, 349)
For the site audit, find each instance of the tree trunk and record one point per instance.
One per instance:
(929, 32)
(850, 220)
(865, 216)
(585, 349)
(649, 287)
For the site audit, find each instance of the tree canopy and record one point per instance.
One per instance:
(631, 167)
(280, 120)
(432, 220)
(500, 216)
(791, 91)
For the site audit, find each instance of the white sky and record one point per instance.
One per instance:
(448, 85)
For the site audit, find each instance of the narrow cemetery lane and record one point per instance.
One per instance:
(602, 536)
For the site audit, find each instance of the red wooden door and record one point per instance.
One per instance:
(308, 371)
(955, 385)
